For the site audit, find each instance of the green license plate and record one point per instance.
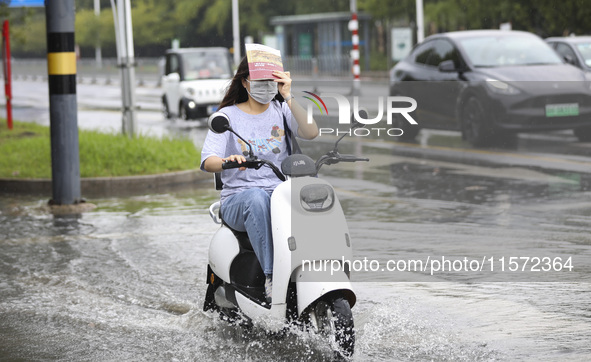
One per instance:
(562, 110)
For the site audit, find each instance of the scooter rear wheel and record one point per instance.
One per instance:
(334, 320)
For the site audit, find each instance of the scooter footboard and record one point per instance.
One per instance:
(312, 284)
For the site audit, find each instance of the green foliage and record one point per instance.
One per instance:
(117, 155)
(27, 31)
(544, 17)
(92, 30)
(4, 8)
(27, 153)
(561, 17)
(377, 61)
(209, 22)
(389, 10)
(213, 18)
(207, 15)
(329, 6)
(153, 22)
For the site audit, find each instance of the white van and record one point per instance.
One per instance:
(195, 81)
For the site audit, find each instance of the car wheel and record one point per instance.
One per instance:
(583, 134)
(165, 109)
(183, 112)
(474, 128)
(409, 131)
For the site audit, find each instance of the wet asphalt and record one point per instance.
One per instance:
(126, 280)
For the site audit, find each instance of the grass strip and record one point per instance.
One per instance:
(25, 152)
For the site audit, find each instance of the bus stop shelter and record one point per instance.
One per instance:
(320, 40)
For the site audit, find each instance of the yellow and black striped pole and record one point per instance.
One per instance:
(63, 116)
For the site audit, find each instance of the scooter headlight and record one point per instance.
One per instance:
(317, 197)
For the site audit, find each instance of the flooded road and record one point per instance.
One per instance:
(126, 281)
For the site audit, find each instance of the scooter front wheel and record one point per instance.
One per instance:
(334, 320)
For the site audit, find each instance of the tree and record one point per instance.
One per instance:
(4, 8)
(27, 31)
(213, 18)
(543, 17)
(153, 22)
(403, 10)
(328, 6)
(93, 31)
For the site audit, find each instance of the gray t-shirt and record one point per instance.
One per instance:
(265, 132)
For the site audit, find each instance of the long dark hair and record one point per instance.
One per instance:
(236, 93)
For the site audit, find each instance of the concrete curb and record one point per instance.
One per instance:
(115, 186)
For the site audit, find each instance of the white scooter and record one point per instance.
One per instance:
(312, 255)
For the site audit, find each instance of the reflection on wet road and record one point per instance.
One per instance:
(125, 282)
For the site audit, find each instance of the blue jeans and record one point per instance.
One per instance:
(250, 211)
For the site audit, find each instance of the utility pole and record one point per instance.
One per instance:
(236, 32)
(126, 62)
(354, 28)
(97, 50)
(420, 21)
(7, 71)
(63, 117)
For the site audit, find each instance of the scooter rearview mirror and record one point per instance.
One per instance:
(218, 122)
(363, 115)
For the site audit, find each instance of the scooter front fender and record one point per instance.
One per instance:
(312, 285)
(223, 248)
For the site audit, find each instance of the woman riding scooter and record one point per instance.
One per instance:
(263, 111)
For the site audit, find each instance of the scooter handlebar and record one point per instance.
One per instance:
(351, 158)
(334, 158)
(234, 164)
(256, 164)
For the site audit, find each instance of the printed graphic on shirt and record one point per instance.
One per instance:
(265, 145)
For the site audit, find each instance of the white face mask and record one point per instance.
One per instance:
(262, 91)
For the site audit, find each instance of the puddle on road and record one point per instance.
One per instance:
(389, 180)
(125, 281)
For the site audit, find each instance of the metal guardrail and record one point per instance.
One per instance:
(336, 66)
(148, 70)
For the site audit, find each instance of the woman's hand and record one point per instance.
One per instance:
(284, 86)
(215, 163)
(236, 158)
(305, 130)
